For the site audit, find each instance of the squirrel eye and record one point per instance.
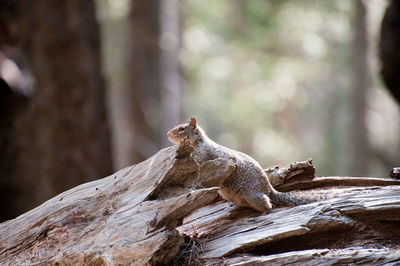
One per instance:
(181, 129)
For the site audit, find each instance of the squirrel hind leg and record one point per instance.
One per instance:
(259, 201)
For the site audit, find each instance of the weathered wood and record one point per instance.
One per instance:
(317, 257)
(212, 173)
(337, 181)
(297, 171)
(159, 212)
(224, 235)
(395, 173)
(108, 221)
(301, 175)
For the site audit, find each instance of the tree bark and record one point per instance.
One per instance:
(358, 129)
(150, 101)
(140, 101)
(60, 137)
(171, 95)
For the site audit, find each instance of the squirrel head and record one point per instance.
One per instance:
(190, 131)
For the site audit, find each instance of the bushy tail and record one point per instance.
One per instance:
(295, 198)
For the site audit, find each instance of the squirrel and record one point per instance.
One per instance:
(249, 186)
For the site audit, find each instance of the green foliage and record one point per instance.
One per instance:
(272, 78)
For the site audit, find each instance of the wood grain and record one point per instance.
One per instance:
(162, 211)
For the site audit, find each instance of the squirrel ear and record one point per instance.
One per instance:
(193, 122)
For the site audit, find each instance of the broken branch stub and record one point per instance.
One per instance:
(395, 173)
(295, 172)
(213, 172)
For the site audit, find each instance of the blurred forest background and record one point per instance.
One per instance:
(91, 86)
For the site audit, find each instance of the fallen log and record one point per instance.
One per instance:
(115, 220)
(167, 210)
(361, 256)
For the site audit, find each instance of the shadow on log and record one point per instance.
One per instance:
(167, 210)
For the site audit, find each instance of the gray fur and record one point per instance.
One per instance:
(250, 186)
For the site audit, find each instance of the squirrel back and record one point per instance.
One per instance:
(249, 186)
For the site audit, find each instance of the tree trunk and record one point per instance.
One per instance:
(160, 212)
(361, 83)
(140, 99)
(389, 48)
(150, 101)
(59, 138)
(170, 73)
